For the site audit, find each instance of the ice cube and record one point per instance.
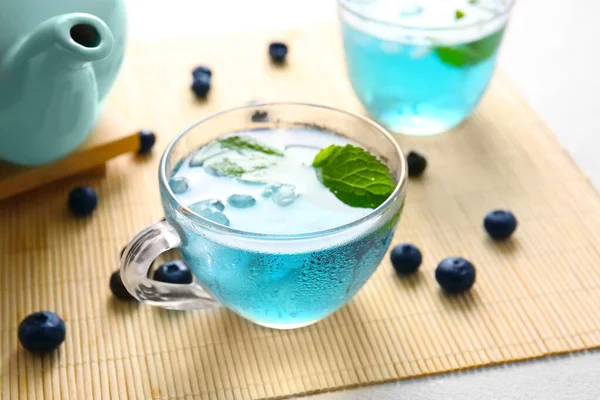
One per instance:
(285, 195)
(178, 185)
(212, 210)
(241, 201)
(270, 189)
(210, 204)
(215, 216)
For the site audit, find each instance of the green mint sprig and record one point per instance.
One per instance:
(471, 53)
(235, 156)
(248, 143)
(354, 175)
(226, 167)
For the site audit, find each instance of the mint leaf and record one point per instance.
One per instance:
(325, 155)
(236, 165)
(354, 175)
(225, 167)
(248, 143)
(472, 53)
(235, 156)
(459, 14)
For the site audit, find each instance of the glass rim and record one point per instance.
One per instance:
(218, 228)
(343, 5)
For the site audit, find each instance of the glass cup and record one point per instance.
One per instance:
(414, 74)
(275, 280)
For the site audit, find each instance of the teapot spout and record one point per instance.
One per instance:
(76, 37)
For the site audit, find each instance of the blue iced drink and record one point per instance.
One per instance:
(265, 182)
(421, 67)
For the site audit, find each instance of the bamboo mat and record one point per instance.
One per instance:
(535, 295)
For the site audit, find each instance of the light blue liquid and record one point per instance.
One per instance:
(275, 283)
(286, 290)
(408, 88)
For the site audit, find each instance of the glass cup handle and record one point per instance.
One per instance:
(137, 259)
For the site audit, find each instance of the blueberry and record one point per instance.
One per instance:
(278, 51)
(416, 164)
(201, 86)
(455, 274)
(42, 332)
(82, 201)
(201, 70)
(117, 288)
(174, 272)
(406, 258)
(260, 116)
(500, 224)
(147, 141)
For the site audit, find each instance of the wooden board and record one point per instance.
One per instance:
(112, 137)
(535, 295)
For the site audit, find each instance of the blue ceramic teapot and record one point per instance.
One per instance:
(58, 60)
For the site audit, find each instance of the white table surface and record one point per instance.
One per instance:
(551, 52)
